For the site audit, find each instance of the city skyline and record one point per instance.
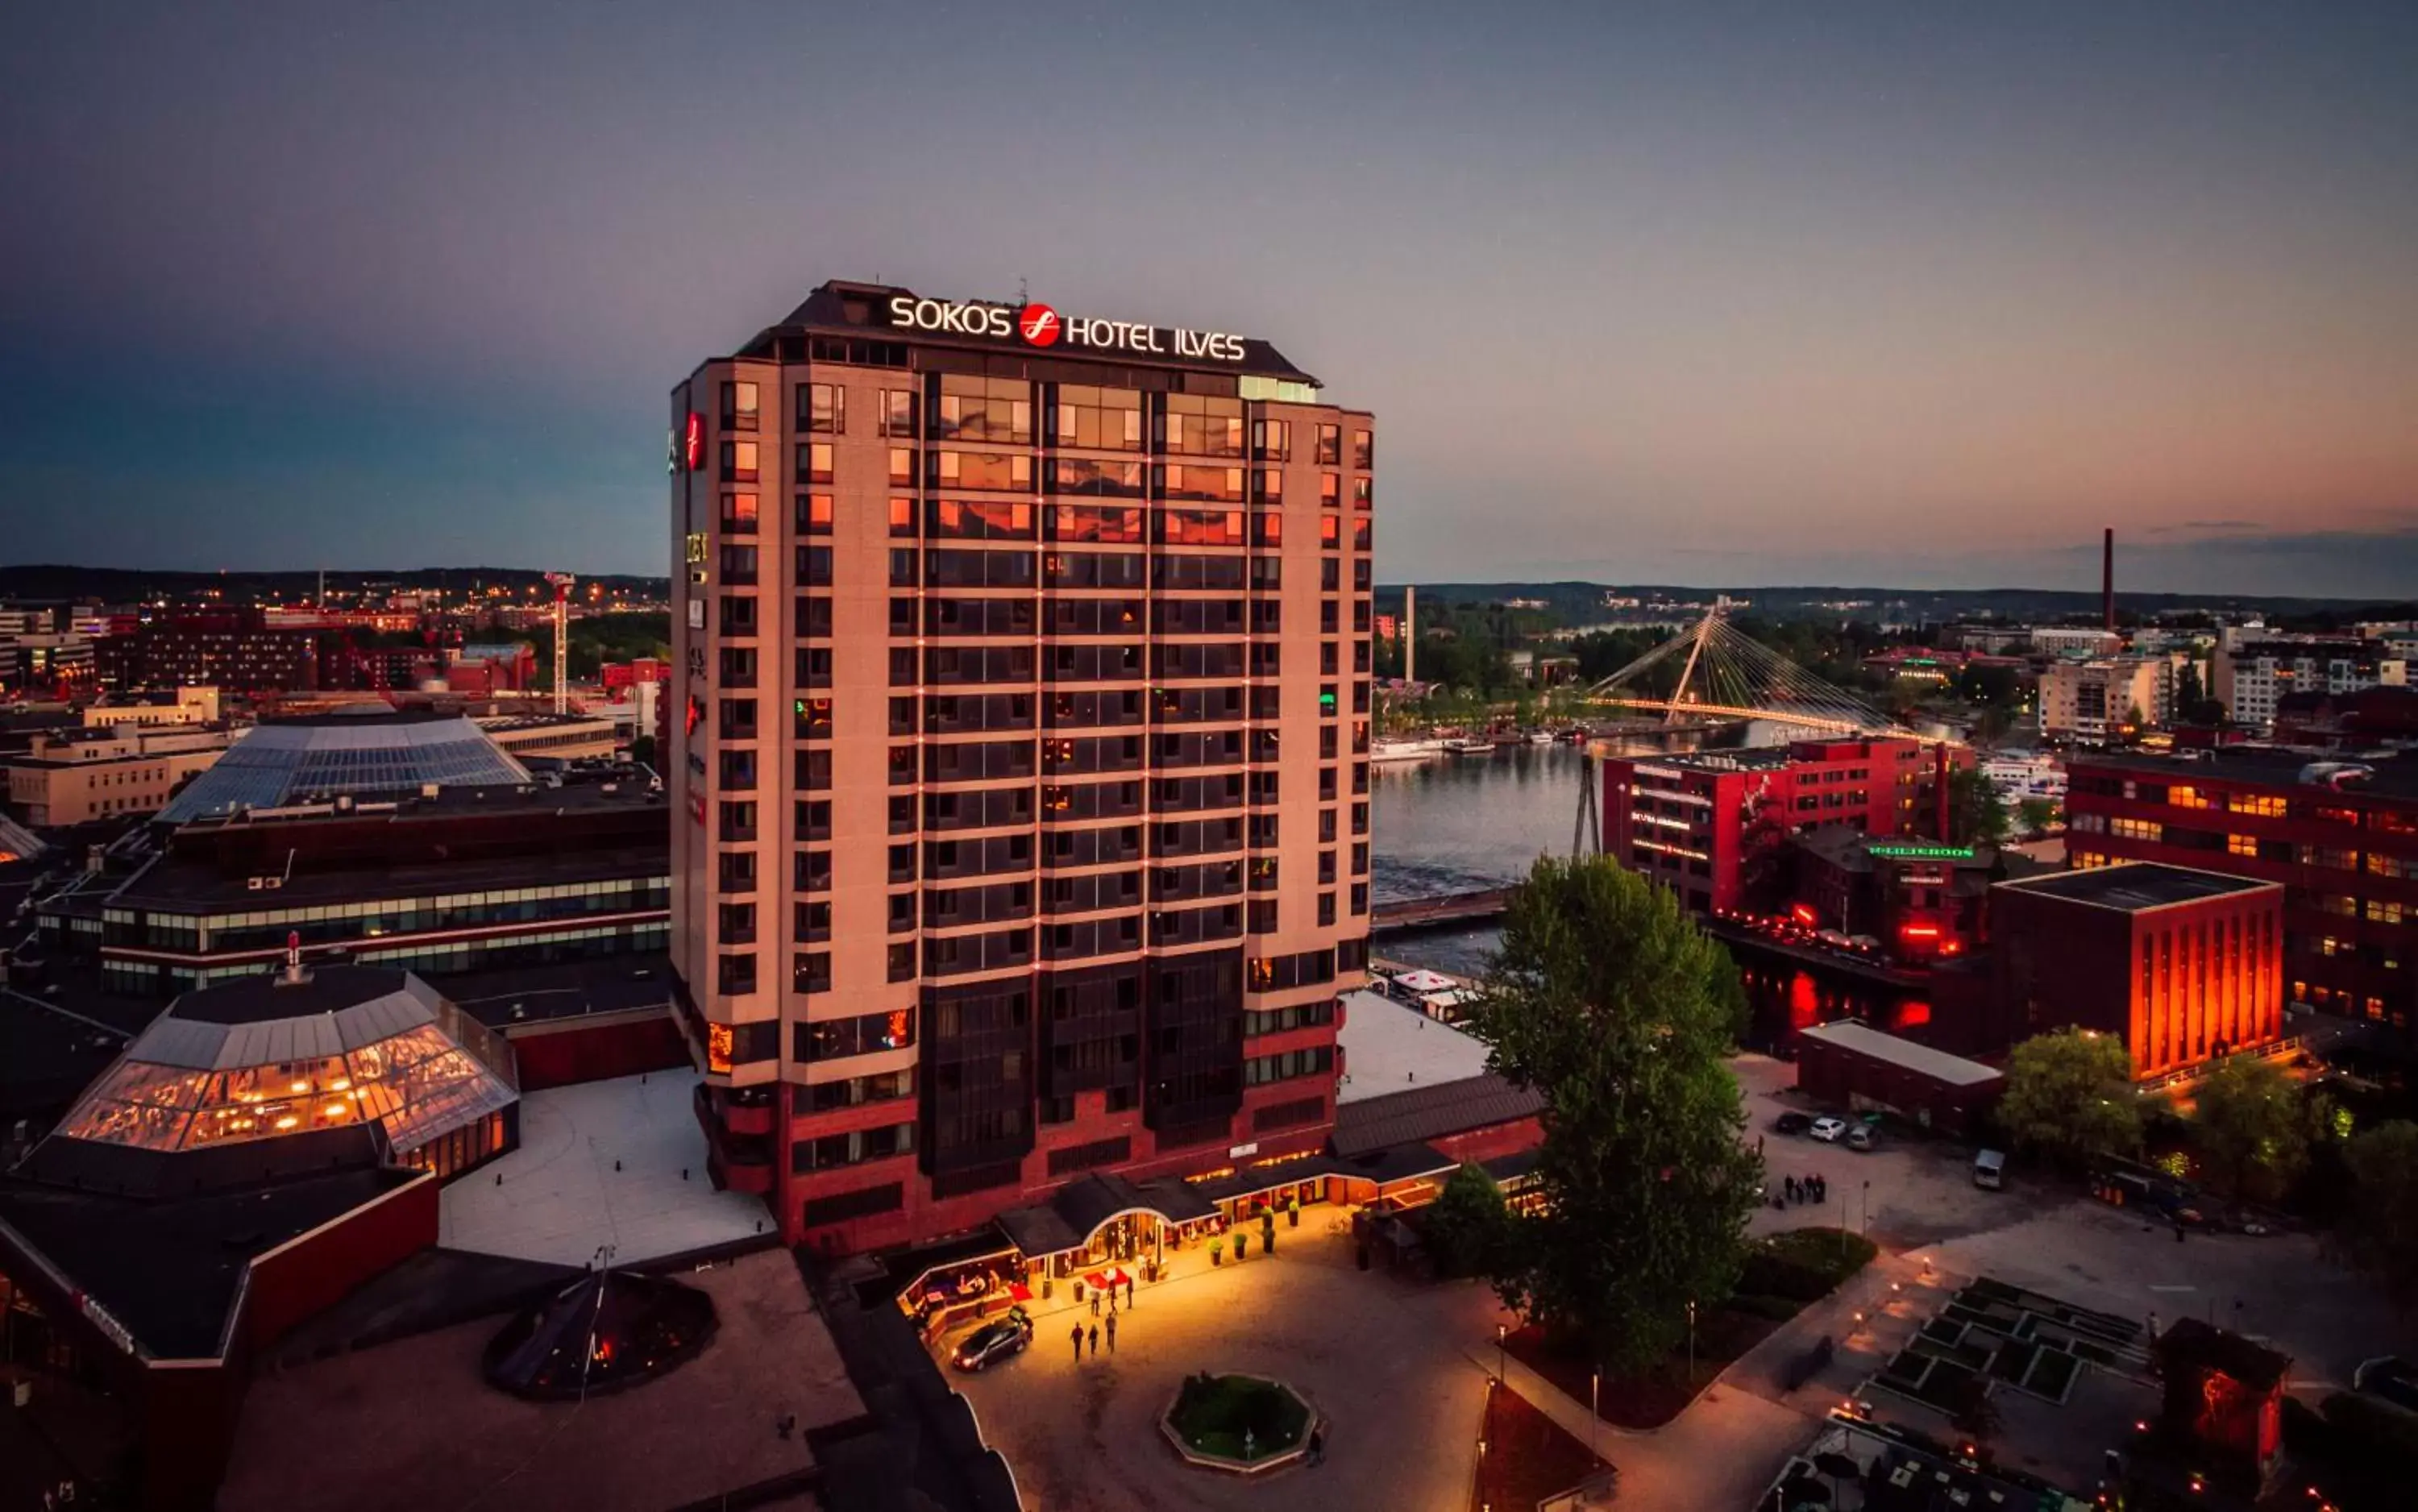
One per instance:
(1852, 297)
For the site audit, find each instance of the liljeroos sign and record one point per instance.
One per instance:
(1038, 325)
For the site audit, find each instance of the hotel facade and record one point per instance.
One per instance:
(1020, 754)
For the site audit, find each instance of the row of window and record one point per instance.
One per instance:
(1077, 414)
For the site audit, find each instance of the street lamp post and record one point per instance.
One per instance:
(1691, 1344)
(1864, 1211)
(1595, 1406)
(1499, 1366)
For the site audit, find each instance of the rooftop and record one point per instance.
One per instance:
(1420, 1113)
(373, 751)
(2391, 777)
(618, 1162)
(169, 1270)
(2134, 886)
(1388, 1047)
(1847, 1034)
(412, 1423)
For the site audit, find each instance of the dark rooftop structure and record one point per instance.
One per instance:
(1423, 1113)
(2393, 776)
(374, 752)
(2138, 885)
(860, 311)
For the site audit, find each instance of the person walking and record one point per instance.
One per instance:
(1078, 1342)
(1112, 1333)
(1129, 1294)
(1096, 1302)
(1095, 1341)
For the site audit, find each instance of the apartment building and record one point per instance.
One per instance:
(1021, 774)
(2092, 700)
(2253, 676)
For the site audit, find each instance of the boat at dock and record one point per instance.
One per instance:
(1384, 751)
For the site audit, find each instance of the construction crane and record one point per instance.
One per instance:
(562, 582)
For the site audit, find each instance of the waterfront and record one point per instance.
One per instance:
(1454, 823)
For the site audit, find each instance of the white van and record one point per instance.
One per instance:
(1990, 1170)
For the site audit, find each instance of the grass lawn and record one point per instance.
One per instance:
(1784, 1273)
(1528, 1455)
(1213, 1413)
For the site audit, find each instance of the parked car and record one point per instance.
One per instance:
(1864, 1137)
(994, 1342)
(1792, 1124)
(1828, 1129)
(1990, 1170)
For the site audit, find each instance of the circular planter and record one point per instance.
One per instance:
(1207, 1420)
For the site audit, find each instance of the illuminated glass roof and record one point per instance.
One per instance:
(263, 1056)
(378, 754)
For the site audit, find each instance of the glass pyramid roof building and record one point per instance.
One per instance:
(373, 753)
(266, 1055)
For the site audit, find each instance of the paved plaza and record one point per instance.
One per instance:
(600, 1162)
(1399, 1369)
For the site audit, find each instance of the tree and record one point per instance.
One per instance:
(2035, 815)
(1977, 816)
(2069, 1092)
(1609, 1001)
(642, 750)
(1468, 1229)
(2247, 1117)
(2379, 1233)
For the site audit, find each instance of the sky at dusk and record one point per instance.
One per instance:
(1908, 295)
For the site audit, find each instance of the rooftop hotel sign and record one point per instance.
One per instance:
(1038, 325)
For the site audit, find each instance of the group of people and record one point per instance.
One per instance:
(1079, 1335)
(1815, 1189)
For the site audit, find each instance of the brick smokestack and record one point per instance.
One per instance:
(2108, 581)
(1939, 794)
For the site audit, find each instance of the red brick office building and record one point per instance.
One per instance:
(2339, 835)
(2186, 966)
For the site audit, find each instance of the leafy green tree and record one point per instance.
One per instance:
(1976, 814)
(2069, 1092)
(1468, 1228)
(1608, 1000)
(2248, 1119)
(2379, 1232)
(2034, 814)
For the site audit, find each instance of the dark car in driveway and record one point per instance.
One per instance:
(994, 1342)
(1792, 1124)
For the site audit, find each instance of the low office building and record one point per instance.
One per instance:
(554, 737)
(70, 777)
(2186, 966)
(2254, 672)
(180, 705)
(1921, 899)
(1849, 1065)
(2340, 836)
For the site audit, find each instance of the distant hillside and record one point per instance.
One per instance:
(1584, 603)
(121, 585)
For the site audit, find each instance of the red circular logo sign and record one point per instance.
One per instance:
(1039, 325)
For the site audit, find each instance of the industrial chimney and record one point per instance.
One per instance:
(2108, 581)
(1410, 632)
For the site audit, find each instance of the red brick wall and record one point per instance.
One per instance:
(561, 1057)
(313, 1273)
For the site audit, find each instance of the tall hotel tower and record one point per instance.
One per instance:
(1020, 761)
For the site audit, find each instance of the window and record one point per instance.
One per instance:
(902, 517)
(1104, 419)
(864, 1034)
(1362, 494)
(810, 971)
(1271, 440)
(1364, 450)
(898, 412)
(826, 409)
(739, 462)
(814, 514)
(740, 406)
(982, 469)
(985, 409)
(1330, 490)
(1330, 445)
(739, 514)
(902, 466)
(814, 462)
(736, 974)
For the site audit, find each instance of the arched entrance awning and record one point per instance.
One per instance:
(1077, 1212)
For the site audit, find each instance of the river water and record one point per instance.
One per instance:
(1451, 823)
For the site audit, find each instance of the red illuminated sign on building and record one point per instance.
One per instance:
(693, 443)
